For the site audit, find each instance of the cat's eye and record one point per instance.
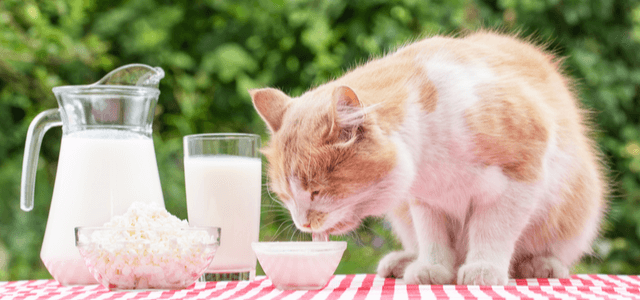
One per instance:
(314, 194)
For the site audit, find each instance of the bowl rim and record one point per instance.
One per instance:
(213, 230)
(279, 247)
(145, 228)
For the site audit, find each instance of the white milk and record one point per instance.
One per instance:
(225, 191)
(100, 173)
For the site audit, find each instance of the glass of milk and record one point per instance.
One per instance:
(223, 177)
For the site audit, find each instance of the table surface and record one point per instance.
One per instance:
(358, 286)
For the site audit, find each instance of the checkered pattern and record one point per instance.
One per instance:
(360, 286)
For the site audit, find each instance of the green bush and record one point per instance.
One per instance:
(214, 50)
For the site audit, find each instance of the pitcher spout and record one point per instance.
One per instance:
(133, 75)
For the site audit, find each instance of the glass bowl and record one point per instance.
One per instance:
(147, 258)
(299, 265)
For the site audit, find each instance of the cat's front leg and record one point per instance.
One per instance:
(494, 226)
(394, 264)
(436, 258)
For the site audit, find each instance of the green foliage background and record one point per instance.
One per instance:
(214, 50)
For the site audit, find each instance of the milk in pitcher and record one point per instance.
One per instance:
(91, 185)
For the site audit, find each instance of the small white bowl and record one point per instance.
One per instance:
(299, 265)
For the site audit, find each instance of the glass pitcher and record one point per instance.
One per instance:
(107, 160)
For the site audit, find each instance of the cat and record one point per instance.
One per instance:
(475, 149)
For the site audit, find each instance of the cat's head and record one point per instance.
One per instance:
(329, 162)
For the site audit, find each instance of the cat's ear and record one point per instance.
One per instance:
(271, 105)
(344, 96)
(348, 113)
(348, 110)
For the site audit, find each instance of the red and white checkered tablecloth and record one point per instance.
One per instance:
(359, 286)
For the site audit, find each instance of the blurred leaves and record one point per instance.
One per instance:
(213, 51)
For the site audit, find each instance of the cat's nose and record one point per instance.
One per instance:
(315, 219)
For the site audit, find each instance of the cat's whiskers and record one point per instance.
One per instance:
(285, 231)
(293, 234)
(294, 230)
(275, 216)
(280, 208)
(263, 226)
(272, 205)
(364, 226)
(274, 210)
(279, 231)
(268, 189)
(353, 235)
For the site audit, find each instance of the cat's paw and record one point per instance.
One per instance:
(423, 273)
(542, 267)
(394, 264)
(482, 273)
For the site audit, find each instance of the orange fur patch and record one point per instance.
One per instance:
(509, 131)
(567, 219)
(581, 199)
(428, 96)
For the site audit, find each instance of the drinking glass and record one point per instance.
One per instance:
(223, 177)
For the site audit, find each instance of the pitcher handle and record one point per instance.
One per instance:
(40, 124)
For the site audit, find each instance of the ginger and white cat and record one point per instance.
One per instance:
(474, 148)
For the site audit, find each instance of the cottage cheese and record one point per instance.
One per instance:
(147, 248)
